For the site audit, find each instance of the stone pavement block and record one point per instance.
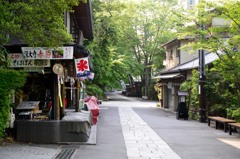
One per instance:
(141, 145)
(140, 158)
(133, 154)
(16, 151)
(148, 143)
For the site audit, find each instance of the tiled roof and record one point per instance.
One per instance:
(209, 58)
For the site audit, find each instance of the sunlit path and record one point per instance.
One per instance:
(140, 140)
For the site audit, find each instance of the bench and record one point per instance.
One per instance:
(232, 126)
(218, 120)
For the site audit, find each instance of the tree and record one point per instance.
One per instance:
(36, 23)
(224, 40)
(220, 39)
(128, 39)
(150, 26)
(111, 53)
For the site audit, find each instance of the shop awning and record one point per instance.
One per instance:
(172, 75)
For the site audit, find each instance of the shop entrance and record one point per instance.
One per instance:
(39, 88)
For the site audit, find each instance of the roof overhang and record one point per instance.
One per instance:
(167, 76)
(83, 15)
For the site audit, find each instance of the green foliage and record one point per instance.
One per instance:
(112, 58)
(4, 61)
(223, 81)
(223, 98)
(192, 88)
(222, 102)
(150, 26)
(128, 38)
(36, 23)
(4, 114)
(94, 90)
(218, 110)
(10, 79)
(236, 114)
(152, 95)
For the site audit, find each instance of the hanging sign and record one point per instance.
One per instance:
(82, 67)
(47, 53)
(57, 68)
(18, 60)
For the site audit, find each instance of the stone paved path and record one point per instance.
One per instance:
(140, 140)
(16, 151)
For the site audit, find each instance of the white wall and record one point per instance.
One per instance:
(187, 55)
(67, 20)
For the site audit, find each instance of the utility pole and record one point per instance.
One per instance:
(202, 78)
(202, 92)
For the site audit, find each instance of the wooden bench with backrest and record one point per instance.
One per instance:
(221, 120)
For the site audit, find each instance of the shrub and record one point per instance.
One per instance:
(10, 80)
(218, 110)
(94, 90)
(236, 114)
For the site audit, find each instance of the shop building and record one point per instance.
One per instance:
(53, 83)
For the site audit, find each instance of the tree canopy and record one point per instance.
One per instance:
(128, 37)
(36, 23)
(215, 27)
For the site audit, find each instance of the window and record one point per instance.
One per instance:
(178, 52)
(169, 55)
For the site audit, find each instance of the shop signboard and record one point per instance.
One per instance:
(48, 53)
(17, 60)
(34, 69)
(82, 67)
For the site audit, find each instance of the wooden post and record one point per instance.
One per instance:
(57, 107)
(78, 86)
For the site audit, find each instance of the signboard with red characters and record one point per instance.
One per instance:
(82, 67)
(47, 53)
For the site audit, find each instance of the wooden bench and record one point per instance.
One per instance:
(218, 120)
(231, 126)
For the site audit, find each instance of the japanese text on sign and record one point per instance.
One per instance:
(17, 60)
(82, 67)
(47, 53)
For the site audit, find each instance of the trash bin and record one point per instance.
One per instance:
(182, 110)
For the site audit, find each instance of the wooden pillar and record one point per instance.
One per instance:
(57, 107)
(78, 86)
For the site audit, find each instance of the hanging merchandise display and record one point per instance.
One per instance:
(72, 83)
(91, 76)
(59, 90)
(81, 102)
